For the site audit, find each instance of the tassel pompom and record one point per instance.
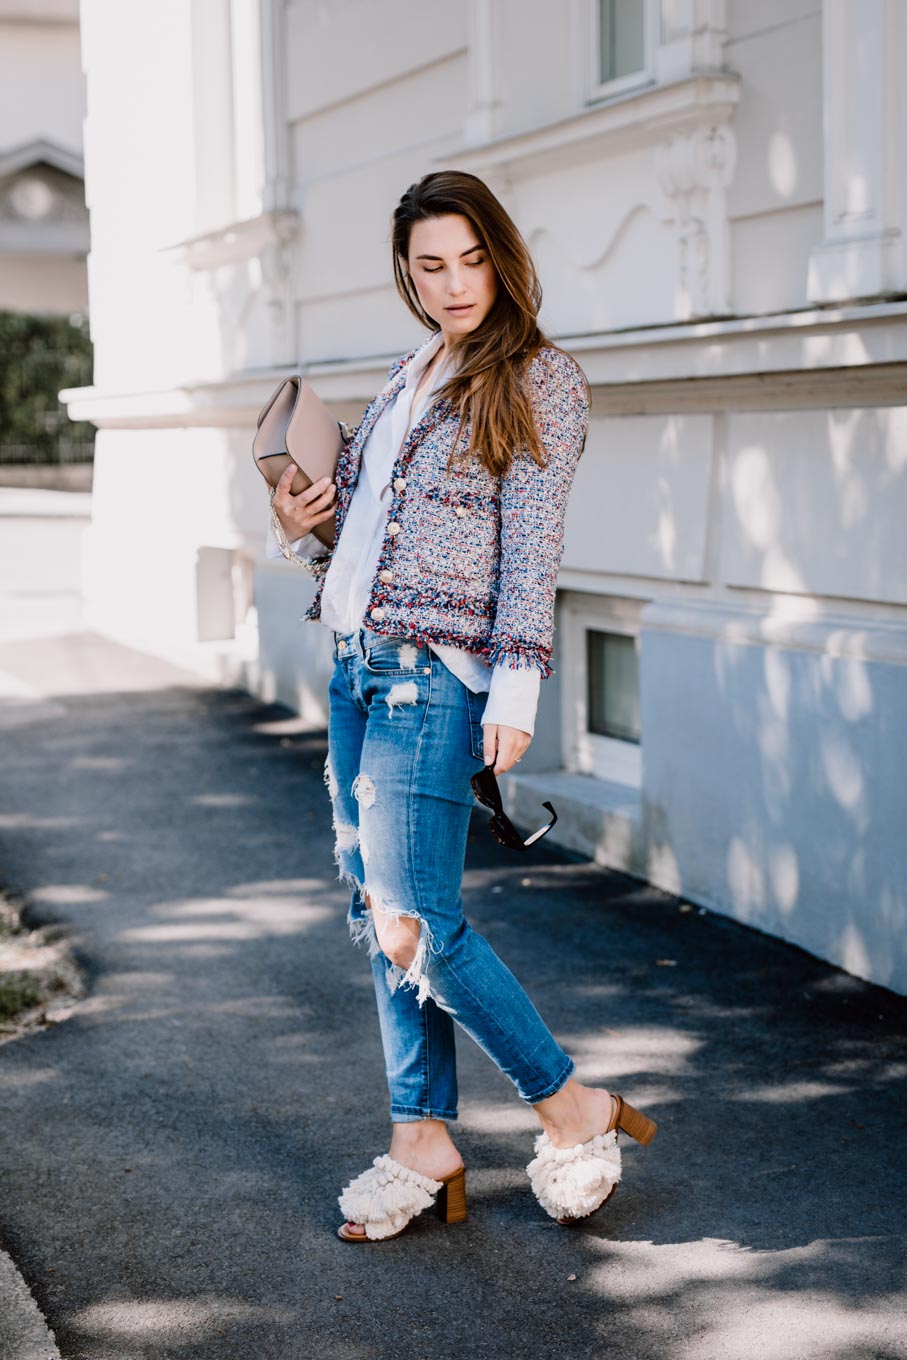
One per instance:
(386, 1196)
(574, 1181)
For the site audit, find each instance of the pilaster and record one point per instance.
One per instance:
(864, 54)
(690, 39)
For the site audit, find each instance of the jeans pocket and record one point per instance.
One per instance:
(396, 656)
(475, 707)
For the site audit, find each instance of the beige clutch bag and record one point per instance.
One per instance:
(295, 425)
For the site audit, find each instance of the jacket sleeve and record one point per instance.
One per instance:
(533, 509)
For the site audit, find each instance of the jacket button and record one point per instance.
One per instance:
(386, 576)
(399, 483)
(377, 612)
(393, 528)
(460, 511)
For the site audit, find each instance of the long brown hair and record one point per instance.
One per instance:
(488, 387)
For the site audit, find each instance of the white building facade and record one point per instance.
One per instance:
(43, 218)
(715, 193)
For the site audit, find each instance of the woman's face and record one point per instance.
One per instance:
(453, 276)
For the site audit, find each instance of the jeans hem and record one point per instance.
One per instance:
(405, 1114)
(555, 1086)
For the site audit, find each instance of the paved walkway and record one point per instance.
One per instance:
(171, 1155)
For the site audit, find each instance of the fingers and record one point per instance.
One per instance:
(512, 743)
(286, 478)
(490, 742)
(300, 513)
(322, 490)
(318, 495)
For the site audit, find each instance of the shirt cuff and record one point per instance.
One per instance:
(513, 697)
(307, 546)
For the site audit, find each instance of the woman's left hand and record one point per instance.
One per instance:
(504, 745)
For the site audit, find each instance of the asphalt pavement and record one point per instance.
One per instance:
(171, 1154)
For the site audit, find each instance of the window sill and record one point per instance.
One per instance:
(644, 115)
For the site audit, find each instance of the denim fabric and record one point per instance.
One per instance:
(405, 736)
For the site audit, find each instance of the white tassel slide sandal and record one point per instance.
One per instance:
(387, 1196)
(573, 1182)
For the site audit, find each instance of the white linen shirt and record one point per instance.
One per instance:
(512, 692)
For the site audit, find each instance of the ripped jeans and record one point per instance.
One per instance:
(405, 736)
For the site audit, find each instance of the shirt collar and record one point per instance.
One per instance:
(416, 366)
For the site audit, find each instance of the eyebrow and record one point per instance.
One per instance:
(441, 257)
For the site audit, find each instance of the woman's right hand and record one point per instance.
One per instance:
(299, 514)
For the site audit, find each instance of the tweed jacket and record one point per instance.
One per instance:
(468, 559)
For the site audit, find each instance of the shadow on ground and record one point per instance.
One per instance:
(173, 1152)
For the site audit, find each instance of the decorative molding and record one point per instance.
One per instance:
(238, 242)
(603, 248)
(29, 154)
(813, 341)
(835, 356)
(42, 197)
(695, 170)
(43, 212)
(640, 118)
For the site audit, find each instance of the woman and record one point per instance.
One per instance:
(450, 502)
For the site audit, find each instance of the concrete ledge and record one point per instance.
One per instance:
(33, 502)
(596, 818)
(50, 476)
(24, 1335)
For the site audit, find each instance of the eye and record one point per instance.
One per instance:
(432, 271)
(475, 264)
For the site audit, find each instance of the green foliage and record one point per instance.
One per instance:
(17, 993)
(39, 355)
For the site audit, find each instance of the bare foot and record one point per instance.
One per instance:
(576, 1113)
(423, 1145)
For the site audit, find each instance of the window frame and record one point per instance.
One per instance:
(609, 758)
(597, 89)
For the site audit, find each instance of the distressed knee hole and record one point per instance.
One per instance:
(409, 655)
(364, 790)
(399, 945)
(404, 692)
(404, 969)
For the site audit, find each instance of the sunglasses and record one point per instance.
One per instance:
(485, 788)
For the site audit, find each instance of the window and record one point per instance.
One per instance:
(622, 45)
(601, 727)
(621, 34)
(612, 680)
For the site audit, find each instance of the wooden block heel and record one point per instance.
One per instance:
(572, 1183)
(634, 1122)
(450, 1204)
(388, 1195)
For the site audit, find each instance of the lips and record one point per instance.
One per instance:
(466, 308)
